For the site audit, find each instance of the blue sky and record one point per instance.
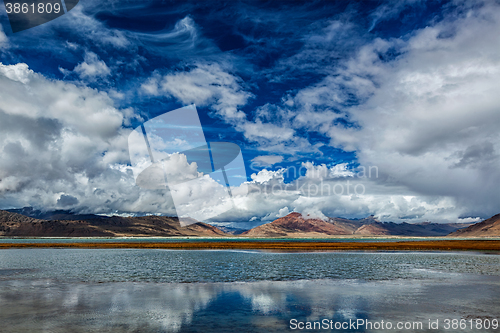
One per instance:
(327, 88)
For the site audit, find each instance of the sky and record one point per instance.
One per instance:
(340, 108)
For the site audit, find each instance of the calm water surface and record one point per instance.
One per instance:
(147, 290)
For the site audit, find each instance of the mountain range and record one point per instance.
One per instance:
(28, 222)
(69, 225)
(295, 225)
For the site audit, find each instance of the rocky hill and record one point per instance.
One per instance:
(295, 225)
(487, 228)
(13, 224)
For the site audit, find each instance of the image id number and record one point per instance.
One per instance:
(40, 8)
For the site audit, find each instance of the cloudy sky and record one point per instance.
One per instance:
(315, 94)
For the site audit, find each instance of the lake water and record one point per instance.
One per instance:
(148, 290)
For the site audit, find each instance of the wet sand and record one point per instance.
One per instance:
(427, 245)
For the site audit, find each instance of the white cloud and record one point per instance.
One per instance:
(432, 124)
(470, 220)
(3, 39)
(64, 146)
(18, 73)
(213, 86)
(342, 170)
(92, 68)
(268, 159)
(58, 142)
(265, 176)
(260, 132)
(205, 85)
(427, 120)
(283, 212)
(321, 193)
(89, 28)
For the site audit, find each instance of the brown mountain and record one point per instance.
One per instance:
(487, 228)
(295, 225)
(13, 224)
(373, 229)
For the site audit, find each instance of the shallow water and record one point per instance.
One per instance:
(158, 265)
(138, 290)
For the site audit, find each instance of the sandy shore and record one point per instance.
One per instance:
(427, 245)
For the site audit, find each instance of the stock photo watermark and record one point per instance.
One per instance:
(452, 325)
(170, 152)
(27, 14)
(315, 181)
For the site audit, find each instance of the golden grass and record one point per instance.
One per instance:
(427, 245)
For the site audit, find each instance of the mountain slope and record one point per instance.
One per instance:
(294, 225)
(487, 228)
(13, 224)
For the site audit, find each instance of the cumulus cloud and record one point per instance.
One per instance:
(323, 192)
(67, 201)
(92, 68)
(65, 146)
(426, 118)
(422, 109)
(58, 144)
(431, 122)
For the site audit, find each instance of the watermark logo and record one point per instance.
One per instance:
(311, 180)
(26, 14)
(170, 152)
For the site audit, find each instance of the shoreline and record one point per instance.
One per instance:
(427, 245)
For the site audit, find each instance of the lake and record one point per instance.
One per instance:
(150, 290)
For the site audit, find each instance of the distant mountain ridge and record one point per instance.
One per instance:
(295, 225)
(14, 224)
(231, 230)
